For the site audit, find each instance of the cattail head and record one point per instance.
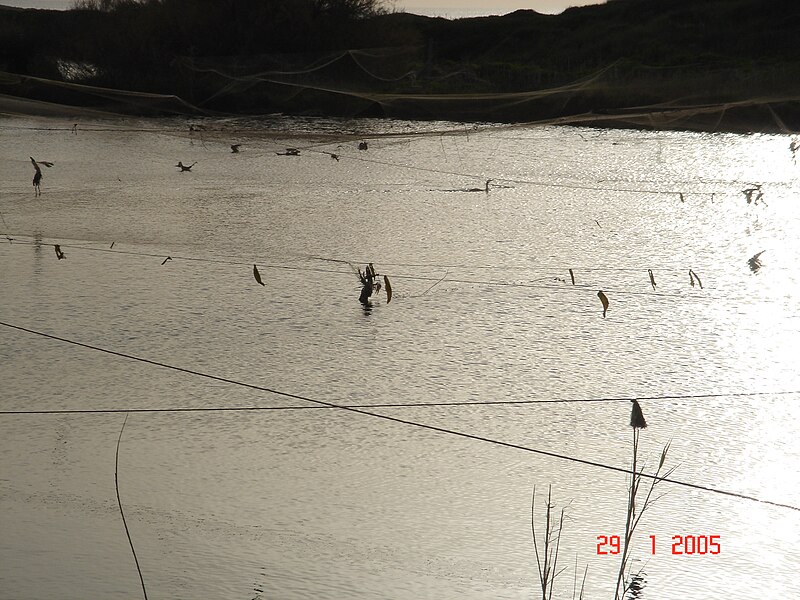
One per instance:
(637, 418)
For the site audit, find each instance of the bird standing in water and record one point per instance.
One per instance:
(37, 177)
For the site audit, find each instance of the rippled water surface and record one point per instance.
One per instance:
(511, 369)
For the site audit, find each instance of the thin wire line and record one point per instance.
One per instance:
(241, 261)
(509, 180)
(579, 287)
(312, 148)
(403, 421)
(61, 411)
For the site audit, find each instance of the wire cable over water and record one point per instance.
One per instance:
(361, 411)
(530, 284)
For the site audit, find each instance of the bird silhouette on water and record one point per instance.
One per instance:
(363, 146)
(37, 176)
(257, 275)
(184, 167)
(604, 300)
(235, 148)
(59, 253)
(637, 417)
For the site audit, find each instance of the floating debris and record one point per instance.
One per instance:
(572, 276)
(652, 279)
(388, 287)
(485, 188)
(289, 152)
(362, 146)
(334, 156)
(754, 194)
(755, 261)
(370, 287)
(184, 167)
(680, 195)
(257, 275)
(235, 148)
(163, 262)
(692, 277)
(59, 253)
(637, 417)
(604, 300)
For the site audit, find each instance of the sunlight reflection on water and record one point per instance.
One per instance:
(310, 502)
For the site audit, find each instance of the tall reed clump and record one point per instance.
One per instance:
(121, 512)
(634, 514)
(547, 554)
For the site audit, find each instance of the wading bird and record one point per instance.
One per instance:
(37, 177)
(184, 167)
(637, 417)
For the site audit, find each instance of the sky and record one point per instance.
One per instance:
(452, 8)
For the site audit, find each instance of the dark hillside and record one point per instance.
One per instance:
(692, 63)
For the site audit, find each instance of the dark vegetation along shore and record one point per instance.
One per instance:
(688, 64)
